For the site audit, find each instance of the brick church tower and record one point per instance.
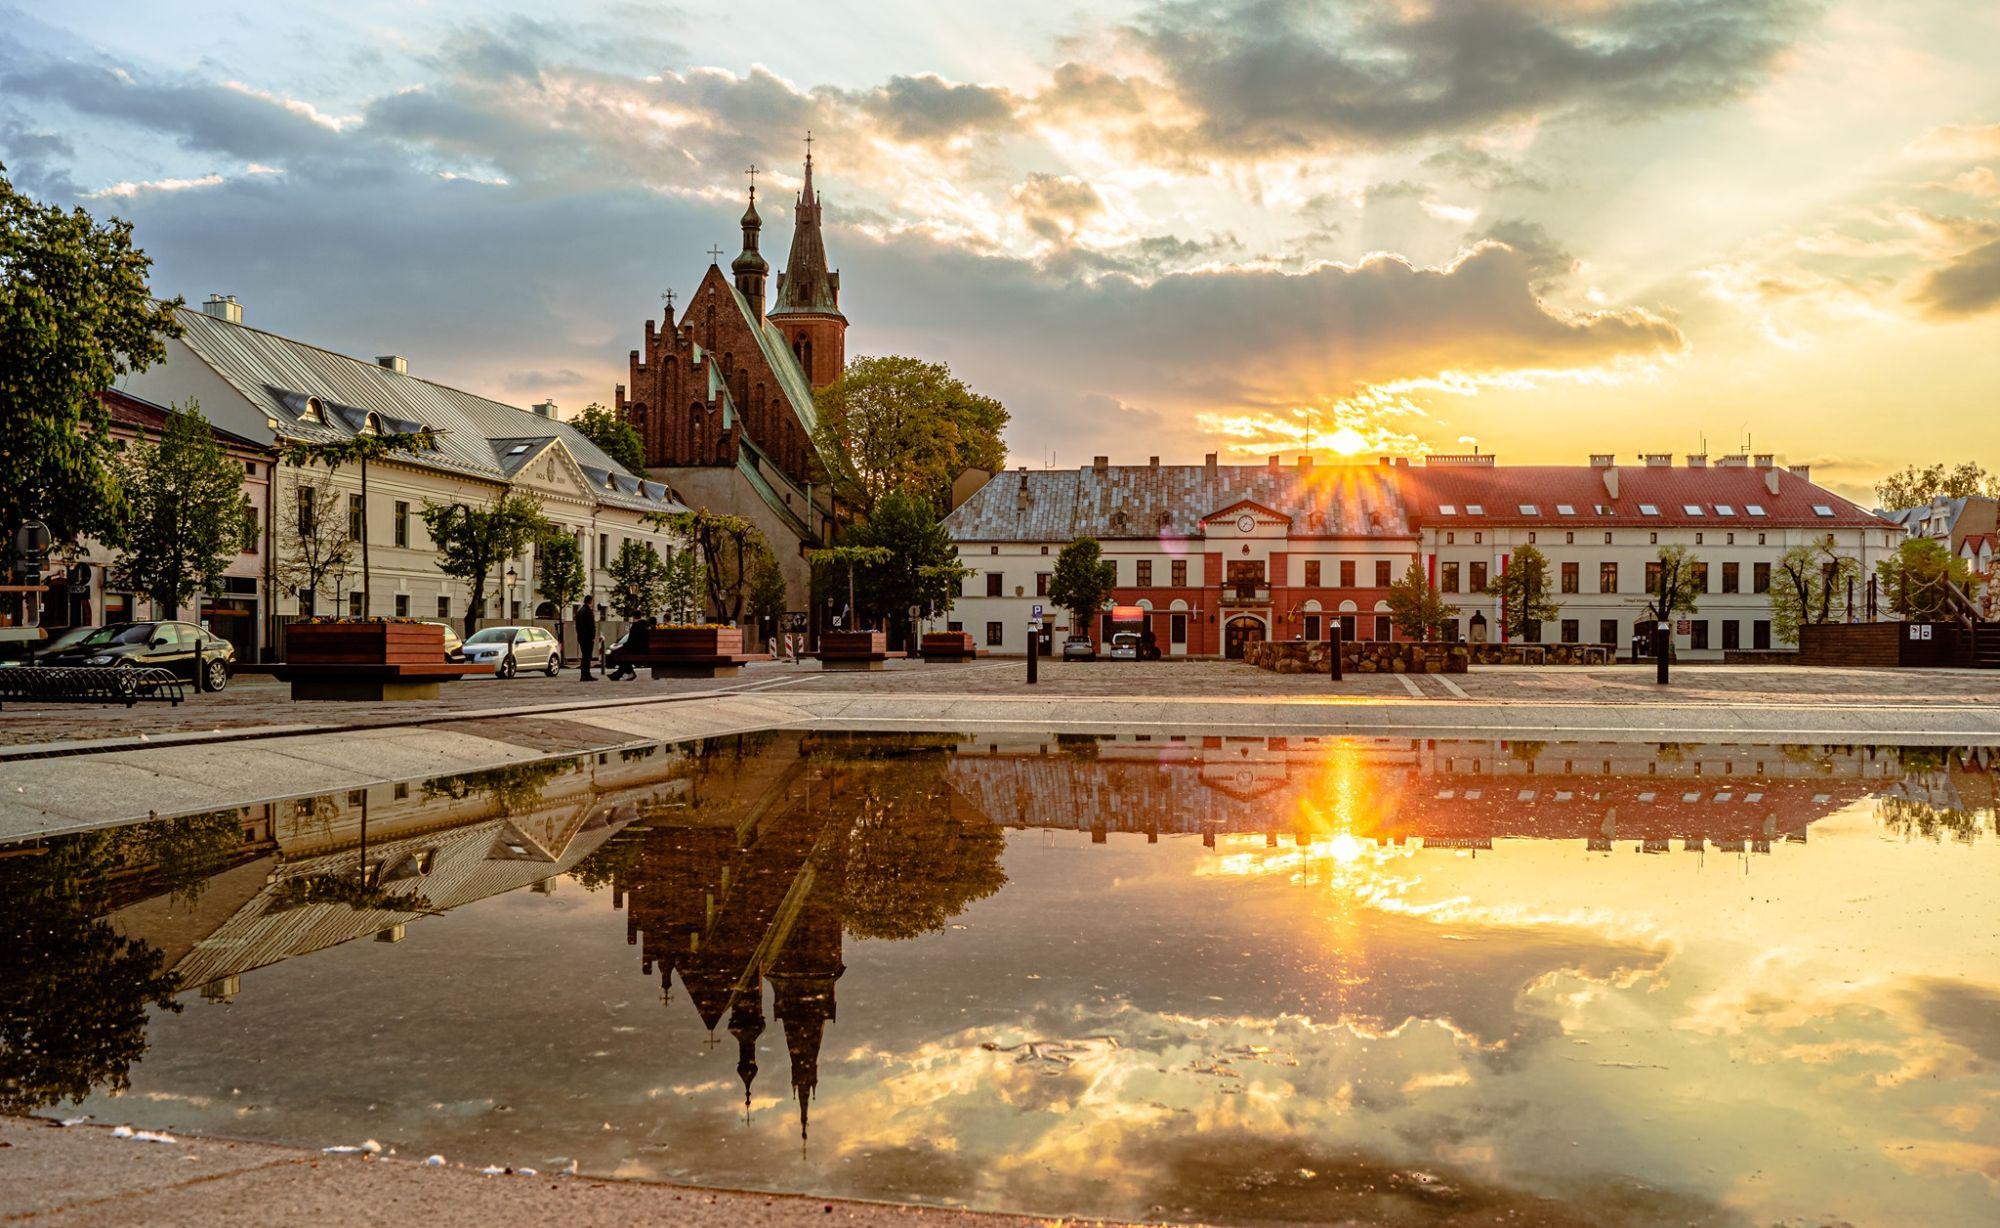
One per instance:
(808, 306)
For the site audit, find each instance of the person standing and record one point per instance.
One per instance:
(586, 634)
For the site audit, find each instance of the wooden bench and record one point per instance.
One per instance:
(368, 661)
(374, 682)
(947, 646)
(686, 652)
(855, 650)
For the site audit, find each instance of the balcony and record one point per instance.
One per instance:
(1246, 594)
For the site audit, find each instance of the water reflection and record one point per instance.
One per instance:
(1409, 981)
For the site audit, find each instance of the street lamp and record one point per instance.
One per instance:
(513, 578)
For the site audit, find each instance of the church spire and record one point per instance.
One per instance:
(808, 298)
(750, 267)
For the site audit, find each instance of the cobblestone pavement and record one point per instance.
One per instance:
(256, 701)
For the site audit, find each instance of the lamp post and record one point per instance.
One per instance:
(513, 578)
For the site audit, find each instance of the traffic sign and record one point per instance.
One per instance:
(1037, 612)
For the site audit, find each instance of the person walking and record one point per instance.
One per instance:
(586, 634)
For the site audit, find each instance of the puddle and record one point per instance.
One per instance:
(1280, 980)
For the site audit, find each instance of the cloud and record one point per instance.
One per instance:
(1968, 285)
(1958, 142)
(929, 108)
(131, 188)
(1288, 76)
(33, 158)
(1055, 207)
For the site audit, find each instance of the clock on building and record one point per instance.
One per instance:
(1245, 523)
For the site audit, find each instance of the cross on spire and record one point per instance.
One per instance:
(669, 296)
(752, 172)
(715, 255)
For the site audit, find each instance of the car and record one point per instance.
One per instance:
(1079, 648)
(1127, 646)
(454, 647)
(509, 650)
(201, 657)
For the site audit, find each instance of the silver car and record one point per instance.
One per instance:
(509, 650)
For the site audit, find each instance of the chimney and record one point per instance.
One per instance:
(1602, 460)
(1659, 460)
(1273, 462)
(1208, 463)
(1771, 480)
(1610, 473)
(1735, 460)
(223, 307)
(1697, 460)
(394, 362)
(1100, 463)
(1153, 462)
(1021, 496)
(1766, 459)
(1305, 461)
(543, 409)
(1804, 471)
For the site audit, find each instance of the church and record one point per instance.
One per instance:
(723, 396)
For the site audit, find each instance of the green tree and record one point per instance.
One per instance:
(1417, 607)
(834, 564)
(1082, 582)
(917, 564)
(1915, 487)
(684, 589)
(559, 578)
(185, 519)
(728, 546)
(1524, 590)
(895, 423)
(613, 436)
(75, 314)
(472, 541)
(359, 450)
(313, 545)
(638, 580)
(1673, 584)
(767, 590)
(1804, 584)
(1917, 580)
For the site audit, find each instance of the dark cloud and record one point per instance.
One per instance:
(34, 159)
(929, 108)
(1547, 261)
(1969, 285)
(1277, 76)
(1488, 171)
(536, 380)
(1055, 207)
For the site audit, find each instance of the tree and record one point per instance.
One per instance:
(1914, 487)
(473, 541)
(1917, 580)
(638, 580)
(75, 314)
(917, 564)
(1082, 582)
(728, 546)
(185, 513)
(313, 545)
(613, 436)
(359, 449)
(684, 589)
(767, 590)
(559, 578)
(895, 423)
(1419, 610)
(1671, 584)
(1523, 590)
(1803, 586)
(829, 562)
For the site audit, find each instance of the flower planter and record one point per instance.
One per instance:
(947, 646)
(853, 649)
(692, 642)
(360, 643)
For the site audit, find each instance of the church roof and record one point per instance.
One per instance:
(784, 364)
(805, 286)
(1135, 501)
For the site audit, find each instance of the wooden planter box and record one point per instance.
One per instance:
(692, 642)
(947, 646)
(364, 644)
(853, 643)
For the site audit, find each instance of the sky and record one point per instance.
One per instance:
(1541, 228)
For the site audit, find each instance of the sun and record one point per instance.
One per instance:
(1345, 442)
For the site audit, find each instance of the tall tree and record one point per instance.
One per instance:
(1914, 487)
(896, 423)
(313, 545)
(559, 578)
(1082, 582)
(638, 580)
(614, 436)
(75, 314)
(1674, 583)
(185, 520)
(472, 541)
(918, 564)
(833, 565)
(1804, 585)
(359, 450)
(1524, 590)
(728, 546)
(767, 591)
(685, 589)
(1418, 608)
(1917, 580)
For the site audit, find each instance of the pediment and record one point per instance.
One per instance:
(1247, 507)
(548, 468)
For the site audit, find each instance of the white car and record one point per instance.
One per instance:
(1126, 646)
(509, 650)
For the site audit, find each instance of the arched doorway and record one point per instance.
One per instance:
(1240, 630)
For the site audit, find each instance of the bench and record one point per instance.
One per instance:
(947, 646)
(372, 661)
(86, 684)
(685, 652)
(855, 650)
(373, 682)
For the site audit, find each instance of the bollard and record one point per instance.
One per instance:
(1033, 652)
(1333, 654)
(1663, 647)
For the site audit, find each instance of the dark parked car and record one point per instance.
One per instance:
(199, 656)
(454, 647)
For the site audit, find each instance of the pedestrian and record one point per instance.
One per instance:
(620, 655)
(586, 633)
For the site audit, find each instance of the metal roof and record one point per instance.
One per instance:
(1149, 501)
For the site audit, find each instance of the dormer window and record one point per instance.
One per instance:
(371, 425)
(313, 411)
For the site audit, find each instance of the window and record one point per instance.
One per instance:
(1821, 509)
(1179, 570)
(1698, 572)
(1383, 578)
(603, 549)
(1760, 634)
(1653, 577)
(1347, 573)
(1312, 626)
(1347, 627)
(992, 549)
(1648, 509)
(1697, 539)
(401, 529)
(1732, 578)
(250, 527)
(444, 607)
(1753, 509)
(1653, 539)
(1531, 537)
(1448, 577)
(1607, 539)
(354, 607)
(1475, 509)
(993, 634)
(1732, 634)
(1572, 631)
(1760, 577)
(402, 605)
(1529, 509)
(1760, 539)
(1569, 539)
(1607, 577)
(1450, 538)
(1476, 578)
(1177, 629)
(1723, 509)
(1042, 583)
(1384, 628)
(1692, 509)
(1572, 582)
(993, 581)
(1144, 579)
(1607, 631)
(1565, 509)
(1447, 509)
(354, 514)
(1698, 634)
(1312, 578)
